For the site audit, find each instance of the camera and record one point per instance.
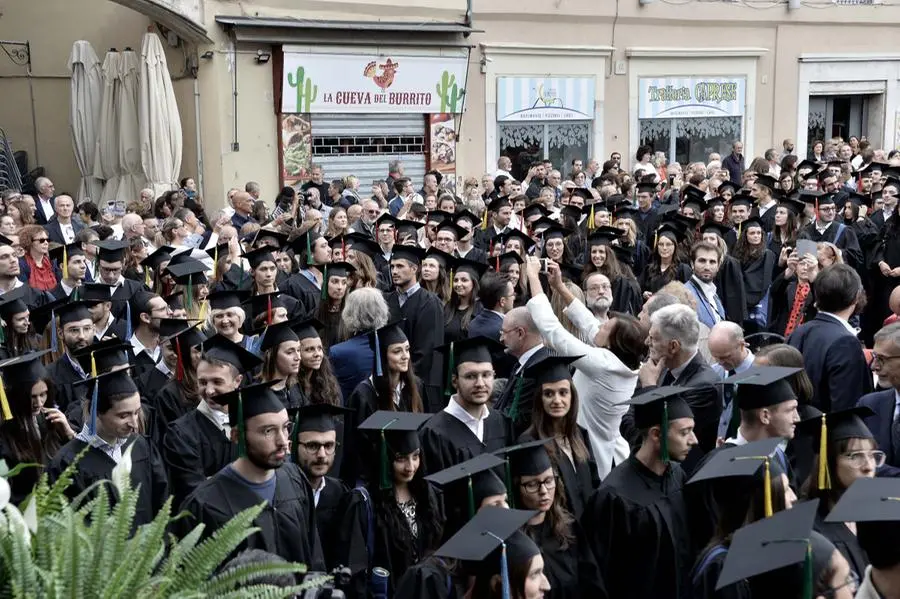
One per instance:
(338, 582)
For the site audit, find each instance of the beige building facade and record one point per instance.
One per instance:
(265, 87)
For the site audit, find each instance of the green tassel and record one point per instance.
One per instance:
(189, 304)
(448, 385)
(309, 256)
(295, 437)
(385, 479)
(509, 487)
(808, 573)
(2, 334)
(471, 500)
(517, 395)
(735, 421)
(325, 282)
(242, 429)
(664, 434)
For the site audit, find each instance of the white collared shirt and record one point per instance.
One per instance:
(220, 419)
(523, 359)
(47, 207)
(746, 363)
(318, 491)
(66, 289)
(820, 228)
(842, 321)
(896, 404)
(68, 232)
(109, 320)
(709, 291)
(163, 368)
(114, 451)
(16, 285)
(676, 372)
(139, 347)
(476, 425)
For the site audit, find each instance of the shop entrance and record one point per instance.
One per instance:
(844, 116)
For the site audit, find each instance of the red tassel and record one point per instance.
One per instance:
(269, 312)
(491, 249)
(179, 367)
(497, 267)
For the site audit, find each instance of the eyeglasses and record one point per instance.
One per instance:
(41, 240)
(313, 447)
(851, 581)
(858, 459)
(598, 288)
(533, 486)
(882, 359)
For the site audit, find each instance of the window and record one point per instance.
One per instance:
(560, 142)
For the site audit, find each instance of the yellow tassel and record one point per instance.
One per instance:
(215, 262)
(484, 220)
(93, 366)
(655, 239)
(65, 264)
(590, 223)
(767, 491)
(4, 403)
(824, 475)
(147, 276)
(203, 306)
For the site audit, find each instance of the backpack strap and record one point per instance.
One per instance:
(370, 518)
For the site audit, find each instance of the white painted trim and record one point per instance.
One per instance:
(851, 57)
(517, 49)
(704, 65)
(654, 52)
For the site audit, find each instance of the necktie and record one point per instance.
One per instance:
(669, 379)
(797, 309)
(895, 442)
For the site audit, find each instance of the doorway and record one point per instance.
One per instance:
(845, 116)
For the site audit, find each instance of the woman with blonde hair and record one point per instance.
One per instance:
(828, 254)
(337, 222)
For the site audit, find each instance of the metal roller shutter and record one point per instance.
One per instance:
(364, 144)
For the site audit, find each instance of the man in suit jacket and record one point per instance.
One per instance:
(885, 423)
(524, 343)
(62, 228)
(496, 295)
(45, 202)
(832, 354)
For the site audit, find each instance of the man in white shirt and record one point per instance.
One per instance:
(504, 167)
(731, 355)
(705, 263)
(45, 200)
(62, 228)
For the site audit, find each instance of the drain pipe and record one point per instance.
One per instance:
(199, 173)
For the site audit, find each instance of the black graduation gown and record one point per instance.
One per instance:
(844, 541)
(424, 327)
(580, 480)
(116, 329)
(193, 450)
(447, 442)
(305, 291)
(637, 525)
(328, 517)
(170, 403)
(781, 301)
(292, 397)
(287, 525)
(64, 376)
(731, 291)
(653, 280)
(571, 571)
(122, 294)
(331, 331)
(887, 250)
(147, 470)
(358, 447)
(626, 296)
(475, 255)
(703, 582)
(429, 578)
(150, 382)
(141, 363)
(647, 223)
(453, 328)
(758, 277)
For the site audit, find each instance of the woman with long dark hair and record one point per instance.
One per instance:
(758, 266)
(36, 429)
(568, 563)
(403, 507)
(436, 266)
(337, 284)
(510, 264)
(463, 305)
(601, 258)
(785, 230)
(554, 245)
(554, 416)
(315, 377)
(668, 262)
(181, 394)
(280, 348)
(16, 323)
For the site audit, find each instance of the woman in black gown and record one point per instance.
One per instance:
(640, 252)
(758, 266)
(510, 264)
(16, 324)
(335, 292)
(392, 386)
(785, 230)
(180, 394)
(463, 305)
(668, 262)
(626, 290)
(886, 267)
(568, 562)
(435, 273)
(280, 348)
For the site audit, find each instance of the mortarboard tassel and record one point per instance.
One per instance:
(824, 475)
(179, 361)
(128, 320)
(471, 493)
(739, 230)
(590, 223)
(517, 395)
(189, 294)
(656, 238)
(448, 385)
(242, 428)
(497, 265)
(504, 572)
(767, 491)
(324, 282)
(65, 263)
(269, 311)
(379, 371)
(147, 282)
(204, 308)
(664, 434)
(451, 278)
(491, 248)
(95, 394)
(808, 573)
(343, 249)
(3, 332)
(215, 261)
(309, 256)
(54, 342)
(385, 482)
(4, 402)
(484, 220)
(510, 498)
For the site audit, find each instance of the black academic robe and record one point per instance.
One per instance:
(731, 291)
(647, 223)
(150, 382)
(331, 332)
(637, 524)
(652, 279)
(781, 301)
(328, 517)
(506, 402)
(64, 376)
(453, 328)
(358, 447)
(572, 571)
(291, 397)
(116, 329)
(758, 276)
(171, 404)
(626, 296)
(305, 291)
(194, 449)
(475, 255)
(705, 577)
(141, 363)
(429, 578)
(579, 479)
(292, 305)
(844, 541)
(640, 257)
(847, 243)
(287, 525)
(424, 327)
(447, 442)
(122, 294)
(147, 470)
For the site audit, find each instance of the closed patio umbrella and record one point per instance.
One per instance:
(160, 124)
(129, 133)
(106, 158)
(86, 86)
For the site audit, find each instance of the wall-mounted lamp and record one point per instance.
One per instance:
(207, 55)
(262, 57)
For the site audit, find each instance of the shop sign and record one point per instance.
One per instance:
(545, 99)
(371, 83)
(668, 97)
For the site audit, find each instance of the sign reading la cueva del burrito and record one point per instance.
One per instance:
(675, 97)
(370, 83)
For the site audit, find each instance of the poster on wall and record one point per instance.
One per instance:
(371, 83)
(545, 98)
(442, 136)
(679, 97)
(296, 148)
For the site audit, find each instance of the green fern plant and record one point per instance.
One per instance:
(84, 549)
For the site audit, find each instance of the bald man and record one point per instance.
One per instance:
(731, 355)
(243, 206)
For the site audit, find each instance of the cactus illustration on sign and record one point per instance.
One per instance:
(306, 91)
(448, 92)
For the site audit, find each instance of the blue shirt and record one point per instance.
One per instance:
(265, 490)
(405, 295)
(238, 221)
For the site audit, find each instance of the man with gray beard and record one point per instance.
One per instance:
(598, 296)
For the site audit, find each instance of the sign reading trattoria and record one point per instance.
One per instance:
(372, 83)
(675, 97)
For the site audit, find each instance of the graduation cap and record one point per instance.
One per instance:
(22, 372)
(687, 222)
(360, 243)
(443, 258)
(188, 274)
(743, 199)
(340, 269)
(780, 545)
(752, 221)
(308, 328)
(551, 369)
(387, 218)
(826, 429)
(767, 181)
(498, 203)
(872, 167)
(713, 227)
(491, 529)
(809, 164)
(625, 255)
(694, 195)
(258, 256)
(410, 253)
(591, 210)
(266, 303)
(646, 187)
(526, 241)
(101, 388)
(304, 242)
(811, 196)
(232, 298)
(110, 250)
(438, 217)
(72, 312)
(525, 459)
(11, 304)
(103, 356)
(532, 210)
(276, 334)
(410, 228)
(625, 210)
(62, 253)
(728, 185)
(472, 349)
(389, 334)
(467, 216)
(174, 300)
(859, 199)
(826, 199)
(793, 205)
(474, 269)
(555, 231)
(398, 436)
(450, 225)
(763, 386)
(281, 239)
(475, 476)
(43, 315)
(744, 461)
(572, 212)
(246, 402)
(658, 407)
(154, 260)
(320, 418)
(675, 232)
(221, 349)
